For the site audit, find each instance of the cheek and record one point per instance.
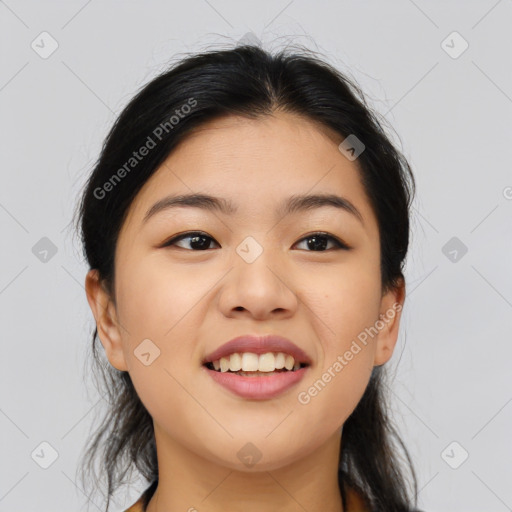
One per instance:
(344, 303)
(153, 298)
(334, 389)
(159, 308)
(333, 393)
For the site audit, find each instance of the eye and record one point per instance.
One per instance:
(198, 240)
(318, 242)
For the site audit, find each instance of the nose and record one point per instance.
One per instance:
(260, 290)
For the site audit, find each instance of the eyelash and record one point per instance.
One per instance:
(337, 241)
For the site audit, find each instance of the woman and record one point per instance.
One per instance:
(246, 227)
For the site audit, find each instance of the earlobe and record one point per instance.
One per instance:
(389, 322)
(105, 316)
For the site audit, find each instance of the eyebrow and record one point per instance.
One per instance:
(296, 203)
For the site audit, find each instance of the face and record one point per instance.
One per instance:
(257, 271)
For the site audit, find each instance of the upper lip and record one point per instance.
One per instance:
(259, 345)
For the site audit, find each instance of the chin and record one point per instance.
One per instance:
(254, 457)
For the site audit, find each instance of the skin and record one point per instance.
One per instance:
(189, 301)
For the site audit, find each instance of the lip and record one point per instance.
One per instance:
(265, 386)
(258, 388)
(259, 345)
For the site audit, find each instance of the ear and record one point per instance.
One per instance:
(390, 313)
(104, 312)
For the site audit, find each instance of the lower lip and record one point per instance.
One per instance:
(258, 388)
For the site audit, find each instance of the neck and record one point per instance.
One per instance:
(192, 483)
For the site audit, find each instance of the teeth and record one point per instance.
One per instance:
(267, 362)
(279, 361)
(235, 362)
(224, 364)
(288, 362)
(249, 362)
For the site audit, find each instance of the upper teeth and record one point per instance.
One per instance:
(249, 362)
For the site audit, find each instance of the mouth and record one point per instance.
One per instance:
(256, 376)
(248, 364)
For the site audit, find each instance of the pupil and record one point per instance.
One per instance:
(316, 244)
(194, 239)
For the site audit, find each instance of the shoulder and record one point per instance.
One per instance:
(355, 501)
(141, 504)
(138, 506)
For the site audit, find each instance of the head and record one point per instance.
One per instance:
(259, 132)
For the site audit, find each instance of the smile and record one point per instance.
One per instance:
(249, 362)
(254, 376)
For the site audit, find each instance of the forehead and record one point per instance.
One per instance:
(256, 164)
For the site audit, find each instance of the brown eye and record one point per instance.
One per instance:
(198, 240)
(317, 242)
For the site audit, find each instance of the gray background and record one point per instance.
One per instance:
(453, 116)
